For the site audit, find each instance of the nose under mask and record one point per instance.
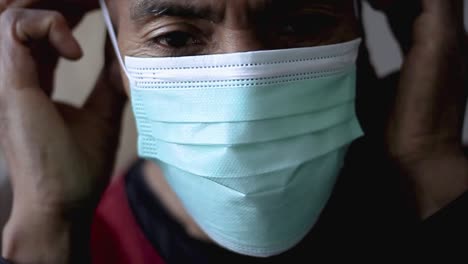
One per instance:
(252, 143)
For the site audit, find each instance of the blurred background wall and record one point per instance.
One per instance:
(75, 80)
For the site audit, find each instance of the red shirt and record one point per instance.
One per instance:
(116, 237)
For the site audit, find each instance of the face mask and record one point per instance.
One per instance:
(252, 143)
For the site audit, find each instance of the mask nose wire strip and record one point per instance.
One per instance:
(112, 35)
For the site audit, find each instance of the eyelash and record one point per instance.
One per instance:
(191, 45)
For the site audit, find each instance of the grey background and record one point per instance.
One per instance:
(75, 81)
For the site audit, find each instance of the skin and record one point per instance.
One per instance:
(52, 199)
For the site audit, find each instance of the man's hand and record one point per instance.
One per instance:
(60, 157)
(425, 126)
(73, 11)
(86, 5)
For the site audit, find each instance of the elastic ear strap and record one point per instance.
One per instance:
(113, 36)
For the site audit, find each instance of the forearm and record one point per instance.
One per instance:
(37, 237)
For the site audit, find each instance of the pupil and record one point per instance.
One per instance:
(177, 39)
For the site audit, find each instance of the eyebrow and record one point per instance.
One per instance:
(143, 9)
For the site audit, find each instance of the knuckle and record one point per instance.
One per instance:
(7, 21)
(435, 39)
(8, 18)
(57, 17)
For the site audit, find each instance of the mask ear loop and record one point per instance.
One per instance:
(113, 38)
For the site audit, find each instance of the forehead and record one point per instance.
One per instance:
(251, 3)
(139, 7)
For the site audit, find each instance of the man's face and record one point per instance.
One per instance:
(161, 28)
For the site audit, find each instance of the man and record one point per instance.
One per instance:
(401, 188)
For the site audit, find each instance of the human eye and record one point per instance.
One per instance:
(178, 41)
(302, 26)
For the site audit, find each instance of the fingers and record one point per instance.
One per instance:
(438, 37)
(19, 3)
(83, 4)
(449, 8)
(442, 21)
(430, 100)
(4, 4)
(24, 104)
(74, 10)
(32, 25)
(436, 50)
(447, 15)
(19, 30)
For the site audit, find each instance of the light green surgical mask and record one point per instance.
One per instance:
(252, 143)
